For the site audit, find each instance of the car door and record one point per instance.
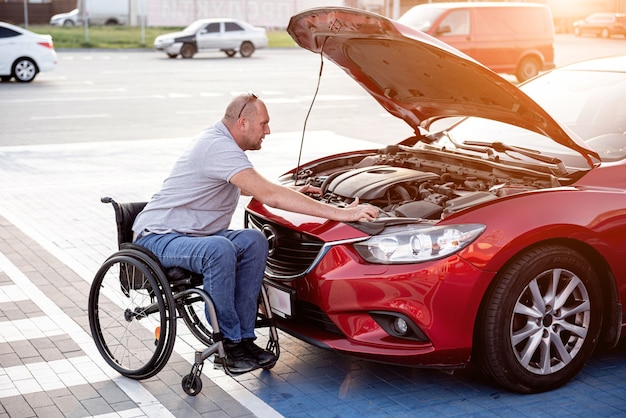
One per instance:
(210, 36)
(234, 34)
(9, 48)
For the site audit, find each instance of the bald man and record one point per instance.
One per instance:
(186, 223)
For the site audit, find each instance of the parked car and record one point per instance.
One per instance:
(602, 24)
(512, 38)
(23, 54)
(500, 239)
(227, 35)
(65, 19)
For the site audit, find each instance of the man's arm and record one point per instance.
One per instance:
(251, 183)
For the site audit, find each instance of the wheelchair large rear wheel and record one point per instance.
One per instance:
(132, 315)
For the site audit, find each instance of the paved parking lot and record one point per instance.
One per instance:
(54, 234)
(56, 163)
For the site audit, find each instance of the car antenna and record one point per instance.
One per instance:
(317, 88)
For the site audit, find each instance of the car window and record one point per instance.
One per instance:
(421, 18)
(8, 33)
(212, 28)
(506, 21)
(458, 22)
(600, 19)
(232, 27)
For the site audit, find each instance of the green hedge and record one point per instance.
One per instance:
(116, 37)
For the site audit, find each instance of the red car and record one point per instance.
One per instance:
(501, 235)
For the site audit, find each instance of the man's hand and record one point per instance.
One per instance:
(309, 189)
(363, 212)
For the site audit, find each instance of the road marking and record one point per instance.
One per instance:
(26, 329)
(75, 371)
(102, 115)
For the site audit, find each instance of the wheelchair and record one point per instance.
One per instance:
(135, 304)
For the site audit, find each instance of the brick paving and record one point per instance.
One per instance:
(54, 234)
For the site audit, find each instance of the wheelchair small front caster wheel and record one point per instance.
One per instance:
(192, 384)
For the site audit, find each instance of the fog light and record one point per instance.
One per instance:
(400, 326)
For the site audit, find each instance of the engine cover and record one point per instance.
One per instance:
(371, 183)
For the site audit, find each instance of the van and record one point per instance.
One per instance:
(512, 38)
(104, 12)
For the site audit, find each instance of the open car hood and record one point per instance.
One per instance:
(417, 77)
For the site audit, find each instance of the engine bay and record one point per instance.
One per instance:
(414, 183)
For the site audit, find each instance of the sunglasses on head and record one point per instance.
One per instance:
(251, 96)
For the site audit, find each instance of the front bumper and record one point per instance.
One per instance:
(173, 49)
(344, 304)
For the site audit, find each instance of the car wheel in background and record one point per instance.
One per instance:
(172, 55)
(24, 70)
(527, 68)
(187, 51)
(230, 52)
(541, 321)
(246, 49)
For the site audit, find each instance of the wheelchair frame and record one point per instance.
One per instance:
(132, 295)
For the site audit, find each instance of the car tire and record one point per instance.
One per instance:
(5, 78)
(24, 70)
(527, 68)
(605, 33)
(187, 51)
(68, 23)
(172, 55)
(246, 49)
(230, 53)
(548, 297)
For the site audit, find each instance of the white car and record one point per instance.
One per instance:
(227, 35)
(23, 54)
(65, 19)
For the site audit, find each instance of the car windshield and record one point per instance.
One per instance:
(421, 18)
(590, 103)
(194, 27)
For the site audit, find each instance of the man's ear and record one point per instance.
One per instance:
(242, 124)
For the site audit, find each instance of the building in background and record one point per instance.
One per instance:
(267, 13)
(272, 14)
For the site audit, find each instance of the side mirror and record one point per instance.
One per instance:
(443, 29)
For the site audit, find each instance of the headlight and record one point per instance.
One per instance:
(164, 41)
(418, 243)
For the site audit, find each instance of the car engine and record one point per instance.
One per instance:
(424, 184)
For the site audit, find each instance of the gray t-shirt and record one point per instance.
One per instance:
(197, 197)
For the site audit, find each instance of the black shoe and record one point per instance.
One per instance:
(263, 357)
(238, 360)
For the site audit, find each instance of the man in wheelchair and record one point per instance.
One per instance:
(186, 223)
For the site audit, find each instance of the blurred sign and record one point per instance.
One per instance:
(267, 13)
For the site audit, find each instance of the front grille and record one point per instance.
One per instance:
(293, 252)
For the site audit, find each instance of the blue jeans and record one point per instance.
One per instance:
(232, 264)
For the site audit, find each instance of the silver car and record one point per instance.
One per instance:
(227, 35)
(65, 19)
